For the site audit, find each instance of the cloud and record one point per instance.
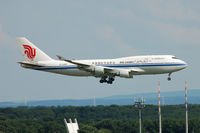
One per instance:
(178, 33)
(171, 10)
(109, 35)
(172, 19)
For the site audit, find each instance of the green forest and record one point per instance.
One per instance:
(99, 119)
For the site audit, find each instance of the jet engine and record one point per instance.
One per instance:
(125, 74)
(98, 70)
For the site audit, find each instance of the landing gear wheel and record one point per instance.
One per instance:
(169, 78)
(101, 81)
(109, 82)
(111, 79)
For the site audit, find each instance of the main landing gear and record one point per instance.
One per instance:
(109, 81)
(169, 78)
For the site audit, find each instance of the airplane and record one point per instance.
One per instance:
(105, 69)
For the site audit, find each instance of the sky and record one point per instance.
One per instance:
(96, 29)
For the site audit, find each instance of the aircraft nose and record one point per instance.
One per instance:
(184, 64)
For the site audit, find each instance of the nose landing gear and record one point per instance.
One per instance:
(169, 78)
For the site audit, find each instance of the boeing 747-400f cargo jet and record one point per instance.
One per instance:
(105, 69)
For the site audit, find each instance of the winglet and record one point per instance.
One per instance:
(60, 57)
(63, 59)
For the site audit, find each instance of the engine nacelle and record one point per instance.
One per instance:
(98, 70)
(125, 74)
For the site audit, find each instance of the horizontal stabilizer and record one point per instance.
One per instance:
(28, 65)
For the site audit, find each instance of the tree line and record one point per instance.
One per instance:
(99, 119)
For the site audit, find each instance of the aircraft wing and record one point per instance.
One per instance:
(73, 62)
(127, 73)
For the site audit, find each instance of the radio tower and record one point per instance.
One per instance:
(159, 109)
(94, 101)
(139, 104)
(186, 109)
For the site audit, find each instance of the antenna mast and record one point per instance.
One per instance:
(159, 109)
(186, 109)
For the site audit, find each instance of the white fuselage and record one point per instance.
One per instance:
(153, 64)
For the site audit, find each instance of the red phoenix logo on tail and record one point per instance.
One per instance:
(29, 51)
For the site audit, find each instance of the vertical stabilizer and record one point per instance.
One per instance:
(30, 52)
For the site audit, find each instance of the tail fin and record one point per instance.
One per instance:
(30, 52)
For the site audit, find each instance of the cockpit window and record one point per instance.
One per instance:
(174, 57)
